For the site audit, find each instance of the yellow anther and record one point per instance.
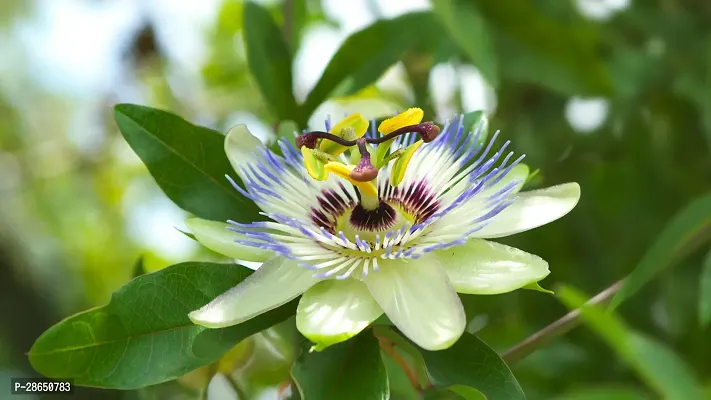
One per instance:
(353, 126)
(411, 116)
(398, 171)
(314, 165)
(344, 171)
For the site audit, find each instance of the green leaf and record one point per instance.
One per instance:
(350, 370)
(597, 393)
(269, 60)
(287, 129)
(663, 370)
(469, 30)
(143, 336)
(366, 55)
(689, 229)
(473, 120)
(173, 390)
(525, 65)
(705, 292)
(188, 162)
(467, 393)
(470, 362)
(445, 394)
(545, 50)
(298, 11)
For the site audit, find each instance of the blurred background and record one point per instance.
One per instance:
(613, 94)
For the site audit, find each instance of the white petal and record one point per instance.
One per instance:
(518, 173)
(419, 299)
(334, 311)
(532, 209)
(216, 237)
(240, 147)
(278, 281)
(483, 267)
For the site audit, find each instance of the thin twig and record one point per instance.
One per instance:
(389, 348)
(556, 329)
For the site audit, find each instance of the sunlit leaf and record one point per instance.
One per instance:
(269, 60)
(469, 30)
(660, 367)
(371, 104)
(690, 228)
(365, 56)
(352, 370)
(187, 161)
(144, 336)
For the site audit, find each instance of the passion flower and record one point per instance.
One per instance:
(361, 224)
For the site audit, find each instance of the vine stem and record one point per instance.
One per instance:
(558, 328)
(388, 346)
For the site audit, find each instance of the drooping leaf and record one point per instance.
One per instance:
(297, 11)
(350, 370)
(187, 161)
(470, 362)
(269, 60)
(705, 292)
(144, 336)
(544, 44)
(688, 229)
(660, 367)
(366, 55)
(469, 30)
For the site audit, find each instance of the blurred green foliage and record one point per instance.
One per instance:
(65, 241)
